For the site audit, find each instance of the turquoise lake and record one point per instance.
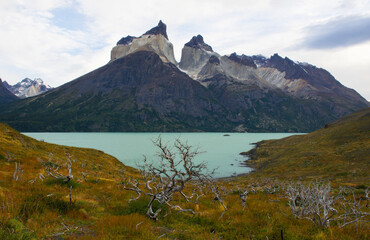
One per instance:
(219, 151)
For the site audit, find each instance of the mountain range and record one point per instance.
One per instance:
(143, 88)
(28, 87)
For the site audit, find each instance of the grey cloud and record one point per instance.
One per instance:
(340, 32)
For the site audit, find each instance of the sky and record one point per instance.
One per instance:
(60, 40)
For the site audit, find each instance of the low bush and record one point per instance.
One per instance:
(37, 203)
(15, 230)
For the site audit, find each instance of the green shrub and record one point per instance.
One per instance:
(361, 186)
(61, 182)
(15, 230)
(38, 203)
(139, 206)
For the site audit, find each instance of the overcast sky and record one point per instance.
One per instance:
(60, 40)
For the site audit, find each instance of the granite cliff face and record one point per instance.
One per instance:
(195, 56)
(143, 88)
(154, 40)
(5, 95)
(234, 75)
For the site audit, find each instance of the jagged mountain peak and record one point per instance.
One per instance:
(276, 56)
(277, 59)
(161, 28)
(198, 42)
(155, 40)
(291, 69)
(242, 59)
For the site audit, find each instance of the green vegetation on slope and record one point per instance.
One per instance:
(338, 152)
(100, 207)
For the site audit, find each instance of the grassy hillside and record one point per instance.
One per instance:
(338, 152)
(100, 208)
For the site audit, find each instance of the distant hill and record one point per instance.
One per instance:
(15, 146)
(338, 151)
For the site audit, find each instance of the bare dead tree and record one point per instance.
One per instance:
(9, 157)
(40, 176)
(218, 197)
(52, 169)
(18, 172)
(317, 203)
(354, 211)
(84, 175)
(97, 177)
(244, 195)
(70, 195)
(271, 186)
(65, 229)
(69, 176)
(84, 172)
(173, 175)
(313, 202)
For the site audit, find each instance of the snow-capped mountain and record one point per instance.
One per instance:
(28, 87)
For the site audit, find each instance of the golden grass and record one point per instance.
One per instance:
(339, 153)
(100, 210)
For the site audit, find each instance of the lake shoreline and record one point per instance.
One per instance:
(218, 151)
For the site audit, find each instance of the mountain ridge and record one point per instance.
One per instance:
(143, 88)
(301, 80)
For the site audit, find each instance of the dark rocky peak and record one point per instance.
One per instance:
(5, 84)
(160, 29)
(291, 69)
(278, 60)
(214, 59)
(276, 57)
(242, 59)
(5, 95)
(126, 40)
(198, 42)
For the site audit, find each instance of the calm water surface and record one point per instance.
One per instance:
(220, 151)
